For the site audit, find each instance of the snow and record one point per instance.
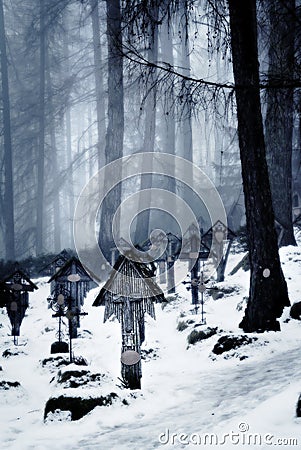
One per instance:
(249, 393)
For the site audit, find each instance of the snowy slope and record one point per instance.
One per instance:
(252, 390)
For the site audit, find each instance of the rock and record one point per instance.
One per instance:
(75, 378)
(197, 336)
(77, 406)
(227, 343)
(295, 311)
(148, 354)
(298, 410)
(7, 353)
(55, 362)
(182, 325)
(5, 385)
(223, 291)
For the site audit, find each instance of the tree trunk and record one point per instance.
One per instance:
(268, 291)
(184, 132)
(115, 128)
(168, 122)
(41, 148)
(279, 116)
(70, 175)
(185, 126)
(99, 84)
(69, 160)
(143, 220)
(8, 202)
(53, 149)
(169, 143)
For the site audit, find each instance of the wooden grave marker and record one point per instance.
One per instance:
(129, 293)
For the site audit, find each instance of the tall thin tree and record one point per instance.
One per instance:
(56, 210)
(279, 115)
(99, 83)
(268, 290)
(8, 203)
(41, 148)
(150, 107)
(115, 127)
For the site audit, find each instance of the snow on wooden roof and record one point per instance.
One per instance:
(72, 266)
(131, 278)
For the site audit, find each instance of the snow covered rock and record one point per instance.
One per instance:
(8, 353)
(227, 343)
(6, 385)
(54, 362)
(298, 410)
(197, 336)
(78, 406)
(74, 377)
(295, 311)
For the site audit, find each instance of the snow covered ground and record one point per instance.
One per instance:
(245, 398)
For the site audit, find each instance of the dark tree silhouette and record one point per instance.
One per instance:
(115, 127)
(8, 201)
(279, 115)
(268, 290)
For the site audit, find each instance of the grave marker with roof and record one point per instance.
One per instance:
(16, 288)
(73, 278)
(219, 238)
(129, 293)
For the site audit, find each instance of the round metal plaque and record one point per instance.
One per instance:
(202, 288)
(73, 277)
(17, 286)
(266, 273)
(60, 299)
(130, 357)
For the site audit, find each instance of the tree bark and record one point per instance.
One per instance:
(69, 158)
(268, 290)
(99, 84)
(41, 148)
(185, 125)
(56, 210)
(168, 141)
(279, 116)
(8, 201)
(115, 128)
(143, 220)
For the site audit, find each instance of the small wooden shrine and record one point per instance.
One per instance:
(219, 238)
(15, 289)
(73, 279)
(55, 265)
(129, 293)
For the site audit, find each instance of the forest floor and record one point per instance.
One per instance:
(243, 398)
